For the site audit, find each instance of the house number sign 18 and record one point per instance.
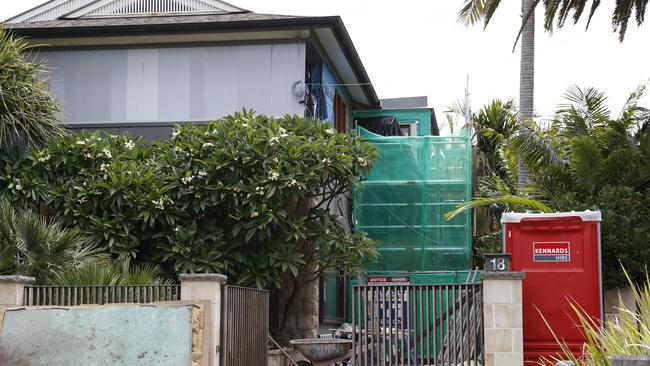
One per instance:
(499, 262)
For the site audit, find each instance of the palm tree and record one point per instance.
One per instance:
(559, 10)
(555, 12)
(476, 10)
(31, 246)
(584, 149)
(496, 166)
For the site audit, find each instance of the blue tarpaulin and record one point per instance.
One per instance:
(324, 88)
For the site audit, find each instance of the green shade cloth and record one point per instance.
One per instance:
(403, 200)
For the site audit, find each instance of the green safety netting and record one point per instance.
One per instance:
(403, 200)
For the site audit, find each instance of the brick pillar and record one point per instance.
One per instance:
(209, 287)
(502, 315)
(12, 289)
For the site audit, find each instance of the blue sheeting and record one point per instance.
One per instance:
(329, 91)
(324, 88)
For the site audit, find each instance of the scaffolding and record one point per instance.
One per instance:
(403, 200)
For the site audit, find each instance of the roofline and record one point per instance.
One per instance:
(6, 21)
(335, 23)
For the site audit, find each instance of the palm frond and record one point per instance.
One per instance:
(513, 202)
(585, 110)
(631, 110)
(535, 151)
(39, 248)
(586, 163)
(489, 10)
(28, 111)
(472, 12)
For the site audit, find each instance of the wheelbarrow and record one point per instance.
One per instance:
(324, 351)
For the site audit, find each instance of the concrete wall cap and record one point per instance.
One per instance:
(17, 279)
(630, 358)
(214, 277)
(503, 276)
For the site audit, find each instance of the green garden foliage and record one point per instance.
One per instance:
(247, 196)
(28, 112)
(586, 158)
(31, 246)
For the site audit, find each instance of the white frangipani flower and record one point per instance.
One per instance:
(330, 131)
(161, 202)
(274, 176)
(362, 162)
(129, 145)
(43, 156)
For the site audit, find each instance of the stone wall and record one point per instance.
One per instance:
(502, 314)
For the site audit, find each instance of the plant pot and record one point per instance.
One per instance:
(278, 358)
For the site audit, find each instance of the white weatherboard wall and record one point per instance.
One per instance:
(175, 84)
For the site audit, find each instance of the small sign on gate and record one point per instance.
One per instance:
(392, 303)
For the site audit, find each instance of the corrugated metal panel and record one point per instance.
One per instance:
(245, 326)
(143, 7)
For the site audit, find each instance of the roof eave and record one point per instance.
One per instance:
(333, 22)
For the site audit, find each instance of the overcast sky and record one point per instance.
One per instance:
(414, 47)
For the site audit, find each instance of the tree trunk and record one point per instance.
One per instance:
(526, 76)
(299, 301)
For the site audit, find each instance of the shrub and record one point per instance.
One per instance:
(625, 232)
(28, 111)
(31, 246)
(248, 196)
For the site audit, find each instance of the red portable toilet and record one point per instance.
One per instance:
(560, 254)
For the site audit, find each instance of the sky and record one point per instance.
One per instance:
(417, 47)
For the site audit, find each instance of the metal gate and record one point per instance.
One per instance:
(418, 325)
(245, 326)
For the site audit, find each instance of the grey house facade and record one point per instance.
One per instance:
(144, 65)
